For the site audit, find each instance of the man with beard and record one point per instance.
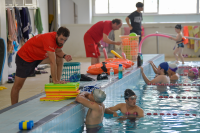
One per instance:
(41, 49)
(128, 109)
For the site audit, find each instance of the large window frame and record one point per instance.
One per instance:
(144, 14)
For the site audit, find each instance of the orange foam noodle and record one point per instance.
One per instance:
(62, 94)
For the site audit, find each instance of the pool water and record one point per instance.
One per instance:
(148, 99)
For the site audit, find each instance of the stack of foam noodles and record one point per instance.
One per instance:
(59, 92)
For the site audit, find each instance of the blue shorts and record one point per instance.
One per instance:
(181, 45)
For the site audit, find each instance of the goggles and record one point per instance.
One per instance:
(132, 97)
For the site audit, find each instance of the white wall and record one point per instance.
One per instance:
(84, 11)
(67, 12)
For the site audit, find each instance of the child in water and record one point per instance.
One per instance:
(178, 39)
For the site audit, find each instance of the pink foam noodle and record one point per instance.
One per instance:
(105, 53)
(123, 55)
(140, 45)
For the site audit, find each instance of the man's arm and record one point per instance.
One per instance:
(60, 54)
(83, 100)
(154, 67)
(112, 110)
(52, 58)
(128, 23)
(155, 80)
(140, 112)
(108, 41)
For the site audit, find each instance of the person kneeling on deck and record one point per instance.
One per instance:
(129, 109)
(96, 108)
(171, 71)
(162, 76)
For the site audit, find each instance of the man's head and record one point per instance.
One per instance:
(98, 96)
(62, 36)
(116, 24)
(130, 97)
(163, 68)
(140, 6)
(172, 68)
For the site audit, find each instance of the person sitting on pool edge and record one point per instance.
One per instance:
(171, 71)
(129, 108)
(94, 102)
(162, 76)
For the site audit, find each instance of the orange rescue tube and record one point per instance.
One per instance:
(97, 68)
(127, 63)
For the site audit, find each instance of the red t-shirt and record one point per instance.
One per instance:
(97, 30)
(36, 48)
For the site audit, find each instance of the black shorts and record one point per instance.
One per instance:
(23, 68)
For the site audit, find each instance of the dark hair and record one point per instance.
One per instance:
(64, 31)
(178, 26)
(139, 4)
(128, 93)
(117, 21)
(166, 73)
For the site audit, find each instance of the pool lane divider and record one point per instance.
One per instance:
(173, 84)
(174, 114)
(178, 97)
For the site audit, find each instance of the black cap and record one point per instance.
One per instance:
(178, 26)
(128, 93)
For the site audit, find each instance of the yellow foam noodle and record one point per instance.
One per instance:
(115, 53)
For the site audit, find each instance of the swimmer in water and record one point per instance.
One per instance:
(162, 76)
(179, 42)
(129, 109)
(193, 73)
(94, 102)
(171, 71)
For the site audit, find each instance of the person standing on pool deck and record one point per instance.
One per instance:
(162, 76)
(41, 49)
(129, 108)
(94, 102)
(179, 42)
(136, 19)
(93, 36)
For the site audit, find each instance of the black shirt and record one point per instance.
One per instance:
(136, 19)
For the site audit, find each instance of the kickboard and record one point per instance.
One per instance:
(2, 56)
(53, 99)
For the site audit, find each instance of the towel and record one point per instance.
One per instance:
(11, 26)
(38, 21)
(191, 34)
(25, 24)
(19, 24)
(186, 33)
(196, 35)
(29, 20)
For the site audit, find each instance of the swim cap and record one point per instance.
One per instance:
(195, 71)
(164, 66)
(99, 95)
(128, 93)
(178, 26)
(173, 67)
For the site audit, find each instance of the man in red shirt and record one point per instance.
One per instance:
(41, 49)
(98, 31)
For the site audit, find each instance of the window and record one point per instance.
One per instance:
(150, 6)
(9, 3)
(101, 6)
(28, 2)
(177, 6)
(19, 2)
(122, 6)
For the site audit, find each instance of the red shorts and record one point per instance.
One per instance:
(91, 48)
